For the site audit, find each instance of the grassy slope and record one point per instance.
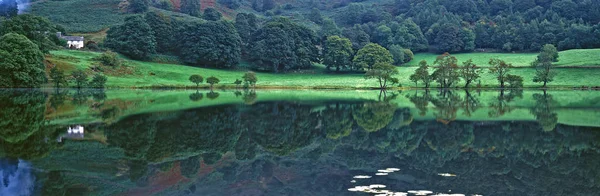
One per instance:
(582, 57)
(147, 74)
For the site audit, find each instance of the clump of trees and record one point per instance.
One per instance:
(383, 72)
(250, 79)
(21, 62)
(134, 38)
(500, 69)
(338, 53)
(81, 80)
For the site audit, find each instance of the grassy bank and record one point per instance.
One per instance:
(568, 58)
(137, 74)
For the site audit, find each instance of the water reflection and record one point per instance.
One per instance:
(417, 141)
(17, 177)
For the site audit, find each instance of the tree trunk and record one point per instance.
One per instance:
(467, 84)
(545, 81)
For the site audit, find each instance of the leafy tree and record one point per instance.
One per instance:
(164, 28)
(134, 38)
(446, 70)
(246, 25)
(282, 45)
(469, 72)
(80, 78)
(250, 78)
(98, 81)
(21, 62)
(400, 54)
(514, 81)
(211, 14)
(138, 6)
(58, 77)
(500, 69)
(337, 53)
(422, 74)
(165, 5)
(190, 7)
(357, 36)
(382, 72)
(372, 54)
(212, 81)
(543, 64)
(197, 79)
(37, 29)
(214, 43)
(8, 8)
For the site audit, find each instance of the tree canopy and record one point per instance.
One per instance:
(21, 62)
(134, 38)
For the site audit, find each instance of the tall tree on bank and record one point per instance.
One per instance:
(8, 8)
(383, 72)
(500, 69)
(446, 70)
(214, 43)
(134, 38)
(543, 64)
(422, 74)
(191, 7)
(21, 62)
(370, 55)
(337, 53)
(469, 72)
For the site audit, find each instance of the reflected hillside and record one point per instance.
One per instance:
(488, 143)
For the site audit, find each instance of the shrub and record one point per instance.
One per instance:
(109, 58)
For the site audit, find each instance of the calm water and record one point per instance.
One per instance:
(299, 142)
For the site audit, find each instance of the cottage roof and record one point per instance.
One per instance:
(72, 38)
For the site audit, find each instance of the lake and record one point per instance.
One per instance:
(284, 142)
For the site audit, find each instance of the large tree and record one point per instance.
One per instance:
(246, 25)
(337, 53)
(383, 72)
(446, 70)
(500, 69)
(372, 54)
(422, 74)
(21, 62)
(543, 64)
(134, 38)
(214, 43)
(282, 45)
(469, 72)
(164, 29)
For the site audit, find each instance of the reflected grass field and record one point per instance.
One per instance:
(580, 108)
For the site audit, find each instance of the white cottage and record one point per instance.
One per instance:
(72, 41)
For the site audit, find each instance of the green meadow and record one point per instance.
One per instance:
(138, 74)
(568, 58)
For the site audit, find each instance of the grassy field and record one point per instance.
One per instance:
(578, 58)
(148, 74)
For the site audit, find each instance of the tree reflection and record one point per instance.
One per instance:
(197, 96)
(337, 120)
(373, 116)
(544, 111)
(22, 114)
(421, 102)
(501, 105)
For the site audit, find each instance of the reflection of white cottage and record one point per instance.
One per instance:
(76, 132)
(72, 41)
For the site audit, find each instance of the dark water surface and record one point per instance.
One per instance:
(126, 142)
